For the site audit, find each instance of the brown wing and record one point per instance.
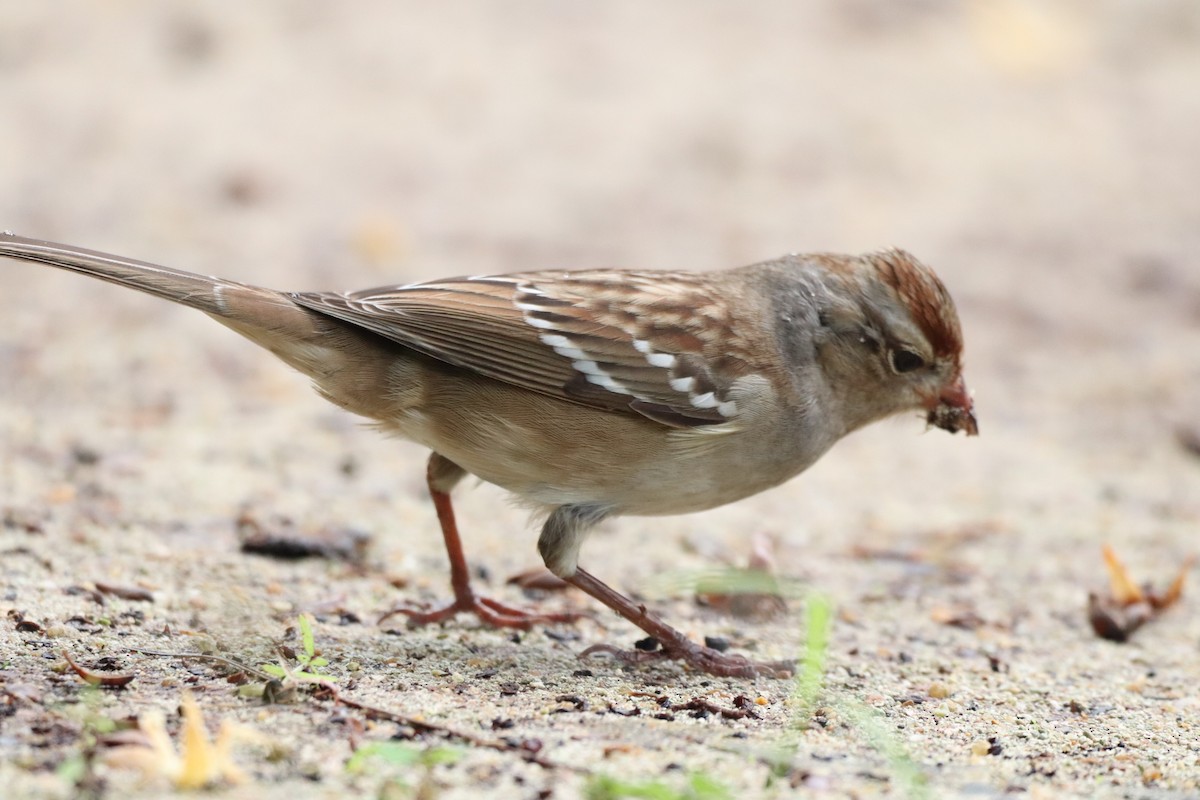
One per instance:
(653, 343)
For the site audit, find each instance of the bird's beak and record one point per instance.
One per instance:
(953, 410)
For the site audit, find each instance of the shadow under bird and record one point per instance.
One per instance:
(599, 393)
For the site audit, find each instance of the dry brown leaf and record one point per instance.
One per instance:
(1128, 606)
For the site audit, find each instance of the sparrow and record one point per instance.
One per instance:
(594, 394)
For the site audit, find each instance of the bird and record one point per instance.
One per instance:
(598, 393)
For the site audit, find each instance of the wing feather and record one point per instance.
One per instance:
(642, 343)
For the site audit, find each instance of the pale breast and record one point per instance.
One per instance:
(553, 453)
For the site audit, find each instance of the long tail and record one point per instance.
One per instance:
(265, 316)
(349, 365)
(210, 295)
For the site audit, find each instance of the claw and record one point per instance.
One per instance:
(699, 657)
(490, 612)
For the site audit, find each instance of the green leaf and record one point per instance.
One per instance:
(306, 635)
(441, 755)
(816, 650)
(723, 581)
(72, 769)
(274, 670)
(392, 753)
(401, 755)
(700, 787)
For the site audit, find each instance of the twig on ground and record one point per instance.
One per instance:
(96, 678)
(526, 749)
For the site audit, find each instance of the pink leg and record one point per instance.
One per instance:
(674, 644)
(441, 475)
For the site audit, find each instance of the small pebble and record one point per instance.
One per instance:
(718, 643)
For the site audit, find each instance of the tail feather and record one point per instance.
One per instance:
(350, 365)
(262, 315)
(198, 291)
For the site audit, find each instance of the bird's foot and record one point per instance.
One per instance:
(490, 612)
(698, 657)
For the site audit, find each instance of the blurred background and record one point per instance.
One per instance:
(430, 138)
(1042, 155)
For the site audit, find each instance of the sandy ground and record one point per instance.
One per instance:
(1042, 156)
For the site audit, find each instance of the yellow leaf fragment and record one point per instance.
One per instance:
(1124, 591)
(200, 762)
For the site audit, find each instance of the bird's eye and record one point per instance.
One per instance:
(906, 361)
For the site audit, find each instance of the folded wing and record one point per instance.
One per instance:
(651, 343)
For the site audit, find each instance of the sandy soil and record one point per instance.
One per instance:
(1042, 156)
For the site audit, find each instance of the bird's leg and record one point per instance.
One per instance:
(674, 644)
(442, 474)
(559, 546)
